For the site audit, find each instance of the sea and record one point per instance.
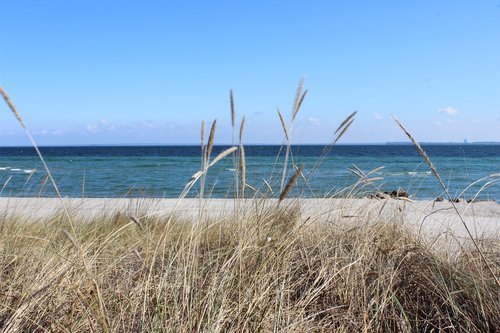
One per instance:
(468, 171)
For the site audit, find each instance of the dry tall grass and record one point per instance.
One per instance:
(268, 268)
(265, 270)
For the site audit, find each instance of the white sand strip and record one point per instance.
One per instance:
(482, 218)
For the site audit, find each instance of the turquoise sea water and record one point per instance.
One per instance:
(162, 171)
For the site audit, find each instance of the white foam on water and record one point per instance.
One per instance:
(421, 173)
(396, 173)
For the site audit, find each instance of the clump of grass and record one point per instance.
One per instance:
(270, 269)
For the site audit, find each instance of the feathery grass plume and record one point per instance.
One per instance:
(288, 131)
(233, 117)
(298, 99)
(202, 133)
(359, 170)
(251, 188)
(300, 103)
(373, 180)
(12, 107)
(341, 134)
(231, 101)
(283, 124)
(242, 127)
(344, 126)
(445, 188)
(202, 173)
(291, 183)
(221, 155)
(203, 156)
(356, 173)
(301, 174)
(210, 142)
(287, 152)
(243, 169)
(348, 119)
(377, 169)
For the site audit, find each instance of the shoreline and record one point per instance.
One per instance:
(435, 218)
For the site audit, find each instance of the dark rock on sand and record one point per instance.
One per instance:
(379, 195)
(399, 193)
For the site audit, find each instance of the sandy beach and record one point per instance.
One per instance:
(435, 218)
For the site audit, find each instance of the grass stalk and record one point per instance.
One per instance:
(445, 189)
(103, 318)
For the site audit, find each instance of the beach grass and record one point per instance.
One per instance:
(258, 268)
(264, 269)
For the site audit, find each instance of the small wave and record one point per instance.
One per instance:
(415, 173)
(396, 173)
(231, 169)
(4, 168)
(29, 170)
(15, 169)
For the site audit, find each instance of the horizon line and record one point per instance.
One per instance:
(257, 144)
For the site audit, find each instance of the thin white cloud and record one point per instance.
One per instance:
(41, 132)
(314, 121)
(57, 132)
(449, 110)
(91, 128)
(102, 126)
(149, 124)
(378, 116)
(48, 132)
(152, 125)
(105, 124)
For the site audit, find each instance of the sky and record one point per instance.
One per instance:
(148, 72)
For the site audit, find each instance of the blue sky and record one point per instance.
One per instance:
(111, 72)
